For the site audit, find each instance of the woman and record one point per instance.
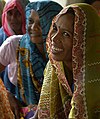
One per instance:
(13, 19)
(71, 78)
(13, 23)
(32, 56)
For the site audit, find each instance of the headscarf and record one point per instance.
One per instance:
(30, 62)
(56, 93)
(8, 6)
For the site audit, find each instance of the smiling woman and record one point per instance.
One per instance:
(71, 80)
(34, 28)
(32, 52)
(62, 49)
(59, 44)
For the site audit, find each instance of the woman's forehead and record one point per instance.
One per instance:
(14, 9)
(34, 14)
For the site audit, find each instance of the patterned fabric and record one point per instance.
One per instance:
(30, 62)
(5, 109)
(56, 93)
(10, 5)
(27, 112)
(86, 64)
(55, 96)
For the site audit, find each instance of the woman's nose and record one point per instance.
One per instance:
(56, 37)
(34, 26)
(13, 17)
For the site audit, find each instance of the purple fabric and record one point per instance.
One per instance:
(29, 114)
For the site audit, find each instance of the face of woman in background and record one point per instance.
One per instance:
(15, 20)
(62, 38)
(96, 5)
(34, 28)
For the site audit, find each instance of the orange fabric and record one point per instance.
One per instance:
(5, 109)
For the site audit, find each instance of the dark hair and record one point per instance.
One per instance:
(70, 10)
(90, 1)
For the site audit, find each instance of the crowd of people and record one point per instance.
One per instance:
(50, 60)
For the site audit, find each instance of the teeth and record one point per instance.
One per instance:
(56, 49)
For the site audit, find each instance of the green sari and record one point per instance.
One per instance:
(57, 101)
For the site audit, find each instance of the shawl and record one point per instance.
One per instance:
(8, 6)
(30, 62)
(55, 99)
(5, 109)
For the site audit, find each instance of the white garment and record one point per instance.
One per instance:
(8, 56)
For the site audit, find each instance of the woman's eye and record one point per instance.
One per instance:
(66, 34)
(9, 13)
(54, 28)
(31, 21)
(18, 13)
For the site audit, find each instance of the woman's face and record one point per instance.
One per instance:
(62, 38)
(14, 19)
(34, 28)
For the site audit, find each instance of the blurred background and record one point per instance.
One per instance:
(62, 2)
(65, 2)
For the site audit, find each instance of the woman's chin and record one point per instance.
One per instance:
(57, 58)
(36, 40)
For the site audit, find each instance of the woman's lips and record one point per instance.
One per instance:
(56, 49)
